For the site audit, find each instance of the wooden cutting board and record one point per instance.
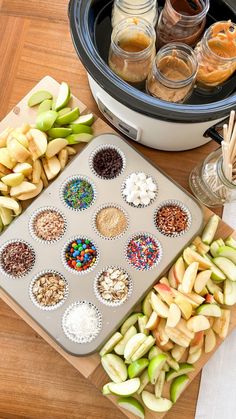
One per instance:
(90, 367)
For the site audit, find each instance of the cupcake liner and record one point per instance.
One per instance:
(63, 259)
(2, 270)
(141, 205)
(108, 205)
(104, 147)
(41, 306)
(180, 205)
(148, 268)
(107, 302)
(31, 225)
(81, 339)
(68, 180)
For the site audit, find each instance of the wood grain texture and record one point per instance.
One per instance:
(35, 382)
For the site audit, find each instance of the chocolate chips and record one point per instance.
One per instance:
(107, 163)
(17, 259)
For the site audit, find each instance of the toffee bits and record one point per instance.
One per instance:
(111, 222)
(108, 163)
(49, 225)
(171, 220)
(49, 289)
(17, 259)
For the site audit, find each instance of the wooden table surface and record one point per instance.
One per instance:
(35, 381)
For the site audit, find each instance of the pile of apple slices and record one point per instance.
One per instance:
(181, 317)
(31, 156)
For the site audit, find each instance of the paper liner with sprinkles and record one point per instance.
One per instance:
(16, 258)
(143, 251)
(78, 193)
(48, 290)
(80, 255)
(82, 322)
(172, 218)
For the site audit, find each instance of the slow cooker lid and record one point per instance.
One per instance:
(82, 18)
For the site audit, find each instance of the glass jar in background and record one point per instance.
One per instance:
(216, 54)
(182, 21)
(209, 183)
(173, 74)
(146, 9)
(132, 50)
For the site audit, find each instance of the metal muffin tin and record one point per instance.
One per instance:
(111, 252)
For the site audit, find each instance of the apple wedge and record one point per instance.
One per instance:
(111, 343)
(198, 323)
(178, 337)
(219, 297)
(177, 387)
(227, 252)
(201, 280)
(143, 348)
(190, 277)
(184, 368)
(136, 368)
(172, 279)
(231, 242)
(131, 321)
(24, 187)
(152, 322)
(197, 342)
(201, 247)
(209, 298)
(210, 341)
(120, 346)
(185, 307)
(127, 388)
(132, 405)
(214, 248)
(154, 351)
(144, 381)
(114, 367)
(177, 352)
(142, 324)
(179, 270)
(216, 273)
(3, 187)
(24, 168)
(30, 195)
(210, 229)
(9, 203)
(191, 256)
(227, 267)
(194, 356)
(133, 344)
(14, 179)
(165, 293)
(160, 384)
(155, 404)
(221, 324)
(146, 306)
(159, 306)
(17, 151)
(229, 292)
(212, 310)
(105, 389)
(37, 170)
(174, 315)
(6, 216)
(51, 167)
(6, 159)
(37, 143)
(182, 327)
(55, 146)
(63, 158)
(155, 366)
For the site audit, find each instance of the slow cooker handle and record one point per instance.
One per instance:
(214, 134)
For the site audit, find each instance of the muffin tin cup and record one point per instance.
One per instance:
(155, 264)
(109, 205)
(183, 208)
(51, 307)
(84, 339)
(32, 230)
(107, 302)
(70, 179)
(141, 206)
(2, 270)
(105, 147)
(63, 259)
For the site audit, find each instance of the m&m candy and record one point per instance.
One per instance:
(80, 254)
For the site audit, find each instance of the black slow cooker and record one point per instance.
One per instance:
(152, 122)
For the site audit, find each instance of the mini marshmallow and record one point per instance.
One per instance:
(152, 187)
(141, 176)
(139, 189)
(145, 201)
(137, 202)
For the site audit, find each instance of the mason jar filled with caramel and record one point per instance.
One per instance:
(146, 9)
(132, 50)
(182, 21)
(173, 74)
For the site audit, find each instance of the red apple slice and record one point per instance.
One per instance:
(201, 280)
(191, 256)
(159, 306)
(185, 307)
(165, 293)
(197, 342)
(152, 322)
(172, 279)
(195, 356)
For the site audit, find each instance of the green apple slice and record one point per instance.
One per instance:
(212, 310)
(160, 384)
(216, 274)
(231, 242)
(154, 351)
(184, 368)
(1, 224)
(191, 256)
(105, 389)
(210, 229)
(64, 111)
(6, 216)
(79, 138)
(154, 404)
(137, 367)
(59, 132)
(120, 347)
(228, 267)
(227, 252)
(85, 119)
(112, 342)
(114, 367)
(81, 129)
(131, 321)
(45, 106)
(38, 98)
(146, 306)
(13, 179)
(212, 287)
(142, 322)
(155, 366)
(214, 249)
(69, 117)
(132, 405)
(127, 388)
(229, 292)
(45, 120)
(63, 96)
(143, 348)
(177, 387)
(144, 380)
(133, 344)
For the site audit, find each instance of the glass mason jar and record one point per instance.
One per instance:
(173, 74)
(216, 54)
(182, 21)
(209, 183)
(146, 9)
(132, 50)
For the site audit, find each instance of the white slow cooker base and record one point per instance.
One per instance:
(155, 133)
